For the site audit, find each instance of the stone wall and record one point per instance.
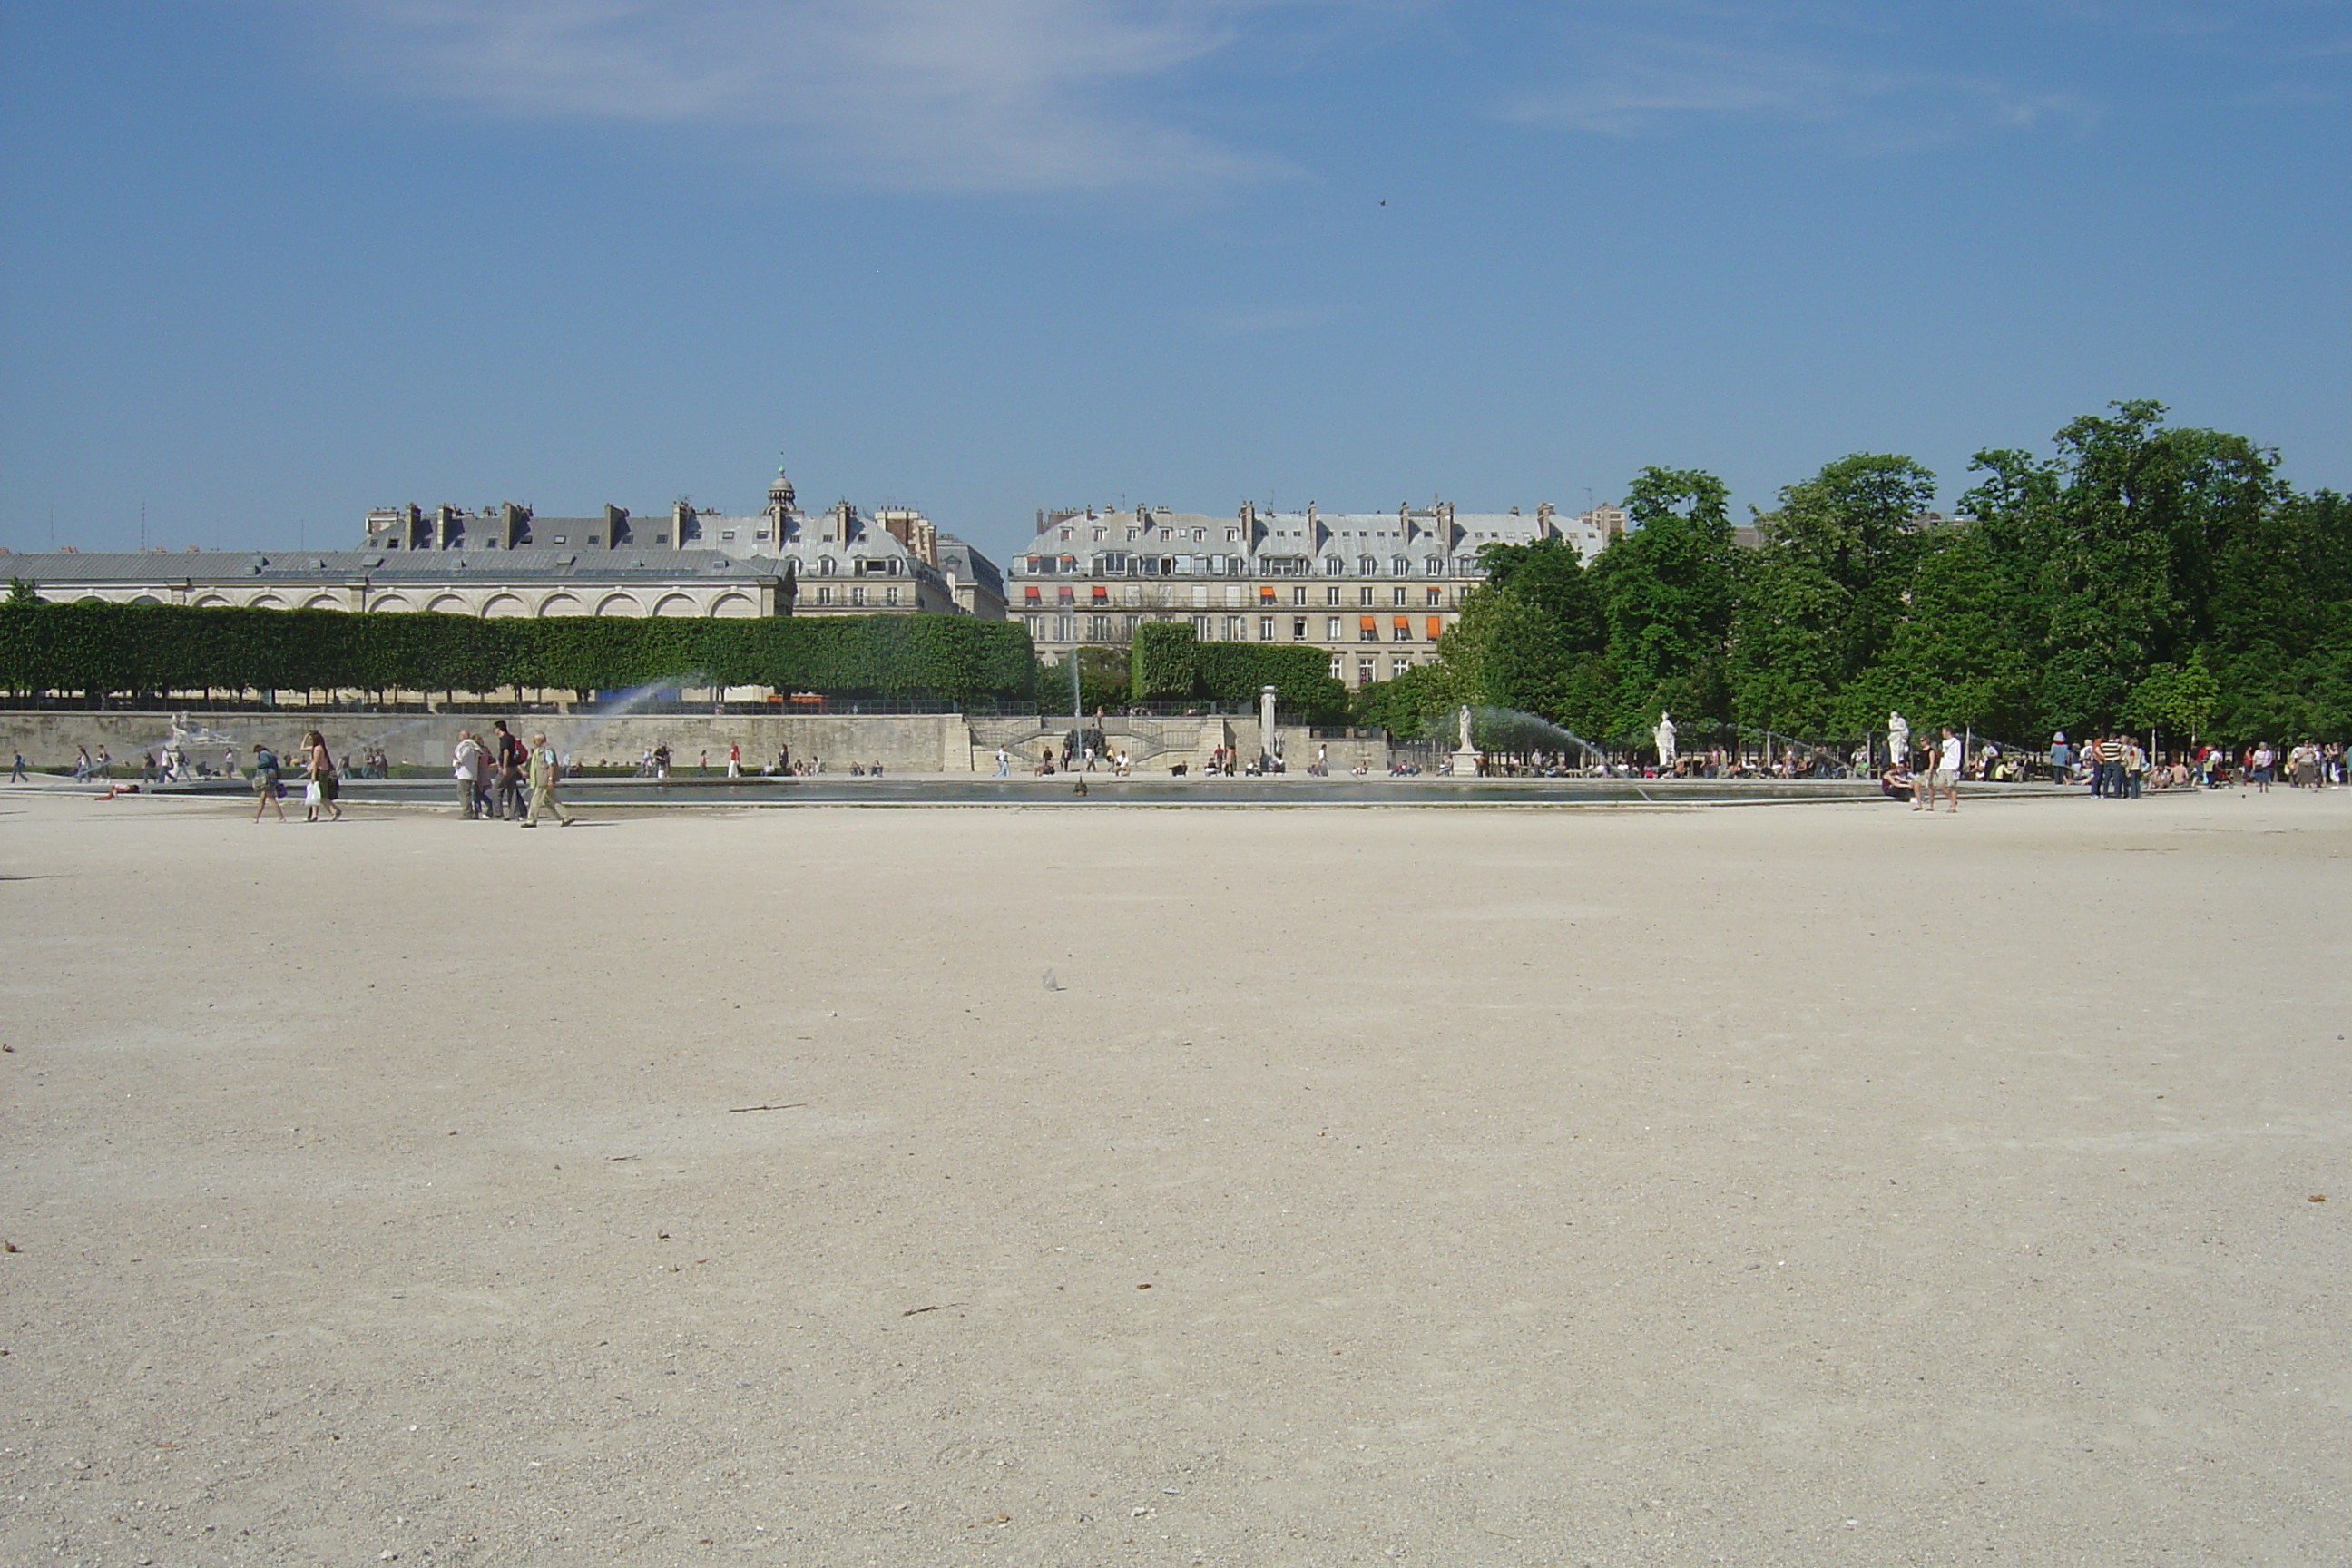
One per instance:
(922, 742)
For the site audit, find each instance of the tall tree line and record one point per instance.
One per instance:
(2141, 574)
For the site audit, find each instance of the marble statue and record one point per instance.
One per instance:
(1665, 736)
(1463, 718)
(1898, 738)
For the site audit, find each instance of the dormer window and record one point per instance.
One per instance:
(559, 539)
(723, 533)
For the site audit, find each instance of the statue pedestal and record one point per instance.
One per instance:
(1465, 764)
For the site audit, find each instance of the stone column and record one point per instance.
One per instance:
(1265, 727)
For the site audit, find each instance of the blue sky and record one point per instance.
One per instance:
(264, 264)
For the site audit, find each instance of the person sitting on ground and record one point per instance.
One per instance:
(1896, 783)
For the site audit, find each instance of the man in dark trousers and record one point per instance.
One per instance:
(513, 757)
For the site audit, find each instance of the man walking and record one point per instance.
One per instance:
(509, 758)
(16, 770)
(1946, 776)
(1004, 762)
(466, 767)
(546, 768)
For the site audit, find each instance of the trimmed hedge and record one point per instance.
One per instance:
(1162, 662)
(1171, 664)
(104, 650)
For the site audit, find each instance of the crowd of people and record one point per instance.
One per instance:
(493, 773)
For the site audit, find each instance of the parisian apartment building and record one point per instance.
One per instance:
(1374, 591)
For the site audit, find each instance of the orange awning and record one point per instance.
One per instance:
(1436, 627)
(1371, 623)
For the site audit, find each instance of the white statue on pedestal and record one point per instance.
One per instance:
(1466, 756)
(1665, 736)
(1898, 738)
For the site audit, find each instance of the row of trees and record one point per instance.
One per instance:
(1168, 664)
(102, 650)
(2142, 573)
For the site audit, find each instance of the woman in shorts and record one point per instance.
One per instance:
(265, 781)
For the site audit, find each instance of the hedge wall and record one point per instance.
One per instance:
(1163, 659)
(104, 650)
(1171, 664)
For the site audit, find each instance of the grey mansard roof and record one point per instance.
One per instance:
(536, 563)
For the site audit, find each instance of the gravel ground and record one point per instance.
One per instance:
(1803, 1185)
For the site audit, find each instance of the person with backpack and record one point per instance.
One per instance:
(546, 770)
(265, 781)
(510, 757)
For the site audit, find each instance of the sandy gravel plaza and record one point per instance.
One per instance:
(1790, 1185)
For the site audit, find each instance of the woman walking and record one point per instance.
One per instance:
(323, 788)
(265, 782)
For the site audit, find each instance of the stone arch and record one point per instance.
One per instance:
(323, 602)
(212, 601)
(561, 604)
(266, 602)
(388, 602)
(450, 604)
(619, 605)
(146, 599)
(734, 607)
(674, 604)
(503, 605)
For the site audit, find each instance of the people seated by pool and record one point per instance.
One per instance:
(1897, 783)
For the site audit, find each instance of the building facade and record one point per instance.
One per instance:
(842, 561)
(506, 560)
(1373, 590)
(556, 580)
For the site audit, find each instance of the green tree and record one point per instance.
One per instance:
(1666, 593)
(2180, 700)
(1818, 603)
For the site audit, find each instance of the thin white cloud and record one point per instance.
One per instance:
(1732, 61)
(923, 94)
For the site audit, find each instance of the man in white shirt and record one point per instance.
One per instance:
(1946, 776)
(466, 764)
